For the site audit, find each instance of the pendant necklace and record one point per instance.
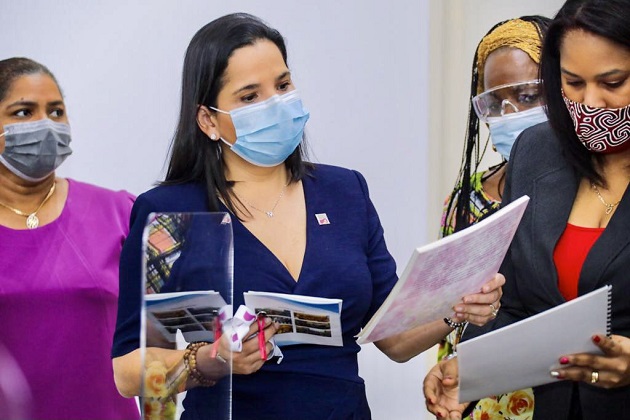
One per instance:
(31, 218)
(268, 213)
(609, 207)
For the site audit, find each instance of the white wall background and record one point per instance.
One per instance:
(386, 84)
(361, 66)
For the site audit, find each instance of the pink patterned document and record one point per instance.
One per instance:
(440, 274)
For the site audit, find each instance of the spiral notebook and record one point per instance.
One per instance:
(521, 355)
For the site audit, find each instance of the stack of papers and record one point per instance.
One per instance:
(440, 274)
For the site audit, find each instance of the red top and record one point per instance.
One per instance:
(569, 256)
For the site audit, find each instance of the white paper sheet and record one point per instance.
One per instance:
(521, 355)
(440, 274)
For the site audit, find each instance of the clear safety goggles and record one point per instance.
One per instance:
(508, 99)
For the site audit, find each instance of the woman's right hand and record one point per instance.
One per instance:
(249, 359)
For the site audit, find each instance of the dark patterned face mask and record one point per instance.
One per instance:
(601, 130)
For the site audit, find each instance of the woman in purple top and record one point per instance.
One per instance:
(60, 242)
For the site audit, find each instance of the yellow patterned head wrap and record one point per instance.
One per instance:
(514, 33)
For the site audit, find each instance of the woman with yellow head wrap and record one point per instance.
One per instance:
(507, 56)
(522, 34)
(505, 95)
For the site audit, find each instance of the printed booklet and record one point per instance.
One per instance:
(302, 319)
(193, 313)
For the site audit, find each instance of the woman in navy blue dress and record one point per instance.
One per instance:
(299, 228)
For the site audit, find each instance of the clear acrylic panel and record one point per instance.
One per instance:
(187, 261)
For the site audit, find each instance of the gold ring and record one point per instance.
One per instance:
(495, 311)
(594, 377)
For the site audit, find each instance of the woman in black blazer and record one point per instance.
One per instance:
(575, 234)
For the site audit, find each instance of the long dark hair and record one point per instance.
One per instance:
(607, 18)
(473, 150)
(194, 158)
(12, 68)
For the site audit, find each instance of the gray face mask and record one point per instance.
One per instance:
(33, 150)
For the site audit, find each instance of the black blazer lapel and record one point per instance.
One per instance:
(555, 193)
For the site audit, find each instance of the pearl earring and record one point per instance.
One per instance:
(213, 136)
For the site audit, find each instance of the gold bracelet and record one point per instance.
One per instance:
(176, 378)
(190, 361)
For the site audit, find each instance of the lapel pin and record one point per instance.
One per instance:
(322, 219)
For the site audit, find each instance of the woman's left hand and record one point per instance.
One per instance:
(612, 370)
(441, 390)
(480, 308)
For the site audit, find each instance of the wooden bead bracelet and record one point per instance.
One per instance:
(190, 362)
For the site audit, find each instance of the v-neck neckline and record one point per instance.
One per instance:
(255, 239)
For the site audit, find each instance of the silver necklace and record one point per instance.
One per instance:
(32, 221)
(268, 213)
(609, 207)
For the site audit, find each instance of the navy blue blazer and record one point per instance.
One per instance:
(538, 168)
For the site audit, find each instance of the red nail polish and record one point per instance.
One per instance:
(596, 339)
(564, 360)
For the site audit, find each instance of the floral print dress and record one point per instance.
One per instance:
(516, 405)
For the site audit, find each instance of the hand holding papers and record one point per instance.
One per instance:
(302, 319)
(524, 353)
(439, 274)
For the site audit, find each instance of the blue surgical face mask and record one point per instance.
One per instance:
(33, 150)
(504, 130)
(268, 132)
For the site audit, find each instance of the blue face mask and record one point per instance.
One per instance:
(268, 132)
(504, 130)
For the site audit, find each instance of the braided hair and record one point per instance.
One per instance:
(473, 150)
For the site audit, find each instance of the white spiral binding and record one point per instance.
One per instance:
(609, 312)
